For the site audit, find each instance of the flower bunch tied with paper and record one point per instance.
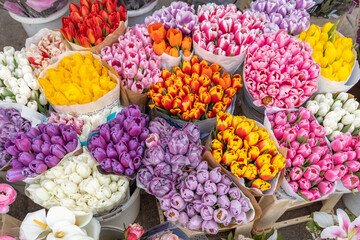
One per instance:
(246, 150)
(17, 80)
(119, 144)
(338, 113)
(333, 52)
(207, 200)
(279, 71)
(39, 149)
(134, 59)
(223, 30)
(90, 23)
(12, 124)
(310, 169)
(195, 91)
(78, 79)
(40, 54)
(169, 152)
(291, 16)
(169, 41)
(77, 184)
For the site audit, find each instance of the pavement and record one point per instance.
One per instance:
(14, 35)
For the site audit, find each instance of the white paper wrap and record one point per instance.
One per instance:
(34, 117)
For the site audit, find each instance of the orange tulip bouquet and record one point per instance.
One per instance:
(246, 152)
(170, 44)
(194, 92)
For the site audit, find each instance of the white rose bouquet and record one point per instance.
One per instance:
(337, 113)
(76, 184)
(17, 81)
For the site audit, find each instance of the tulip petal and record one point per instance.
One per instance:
(31, 230)
(333, 232)
(93, 228)
(59, 214)
(344, 220)
(83, 219)
(323, 219)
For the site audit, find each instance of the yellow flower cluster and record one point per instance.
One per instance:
(77, 80)
(332, 52)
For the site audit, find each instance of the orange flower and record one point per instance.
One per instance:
(216, 78)
(223, 121)
(215, 67)
(175, 111)
(176, 102)
(194, 59)
(167, 49)
(174, 37)
(185, 115)
(195, 85)
(230, 91)
(226, 80)
(165, 73)
(205, 81)
(236, 82)
(186, 67)
(159, 47)
(173, 90)
(187, 53)
(167, 101)
(168, 82)
(194, 113)
(201, 106)
(157, 32)
(206, 70)
(203, 63)
(210, 114)
(218, 107)
(186, 44)
(205, 97)
(195, 68)
(174, 52)
(157, 99)
(216, 93)
(227, 101)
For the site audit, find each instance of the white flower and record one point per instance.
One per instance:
(323, 109)
(33, 105)
(333, 116)
(328, 95)
(42, 194)
(313, 106)
(5, 73)
(48, 185)
(68, 203)
(336, 104)
(328, 101)
(330, 123)
(351, 105)
(334, 134)
(103, 179)
(75, 178)
(348, 119)
(21, 99)
(357, 113)
(341, 111)
(26, 69)
(356, 122)
(9, 99)
(342, 96)
(83, 170)
(328, 130)
(28, 77)
(69, 187)
(11, 83)
(42, 99)
(113, 186)
(340, 126)
(351, 129)
(2, 58)
(9, 51)
(25, 91)
(9, 59)
(18, 72)
(319, 98)
(23, 61)
(320, 119)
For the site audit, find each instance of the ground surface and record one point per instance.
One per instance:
(13, 34)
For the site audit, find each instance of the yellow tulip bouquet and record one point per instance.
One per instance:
(333, 52)
(245, 149)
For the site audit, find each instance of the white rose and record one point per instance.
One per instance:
(340, 126)
(69, 187)
(328, 130)
(323, 109)
(113, 186)
(319, 98)
(320, 119)
(330, 123)
(334, 134)
(351, 105)
(68, 203)
(333, 116)
(83, 170)
(342, 96)
(21, 99)
(42, 194)
(336, 104)
(75, 178)
(348, 119)
(33, 105)
(313, 106)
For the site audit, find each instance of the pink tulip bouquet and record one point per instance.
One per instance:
(279, 71)
(133, 58)
(346, 158)
(310, 170)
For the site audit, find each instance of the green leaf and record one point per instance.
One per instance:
(16, 64)
(311, 226)
(8, 93)
(76, 41)
(279, 237)
(230, 236)
(103, 31)
(332, 31)
(298, 119)
(346, 128)
(145, 90)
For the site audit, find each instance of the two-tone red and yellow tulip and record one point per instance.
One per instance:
(217, 154)
(245, 127)
(278, 161)
(250, 172)
(223, 121)
(234, 142)
(236, 168)
(262, 160)
(268, 172)
(260, 184)
(229, 157)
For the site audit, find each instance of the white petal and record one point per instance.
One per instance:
(323, 219)
(333, 232)
(59, 214)
(344, 220)
(83, 219)
(29, 229)
(93, 229)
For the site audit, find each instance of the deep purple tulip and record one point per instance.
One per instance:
(45, 148)
(120, 117)
(154, 156)
(106, 164)
(58, 150)
(121, 147)
(71, 146)
(111, 152)
(133, 144)
(27, 172)
(42, 128)
(45, 137)
(98, 153)
(32, 133)
(36, 145)
(222, 189)
(160, 187)
(68, 132)
(132, 110)
(105, 132)
(144, 175)
(40, 156)
(192, 131)
(223, 201)
(26, 157)
(15, 163)
(135, 163)
(125, 159)
(117, 167)
(98, 141)
(116, 134)
(57, 139)
(38, 166)
(132, 154)
(144, 134)
(12, 150)
(126, 137)
(162, 170)
(14, 175)
(52, 130)
(129, 171)
(51, 161)
(133, 125)
(140, 151)
(23, 143)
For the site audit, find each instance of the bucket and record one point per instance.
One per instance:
(124, 215)
(249, 110)
(352, 202)
(33, 25)
(111, 233)
(138, 16)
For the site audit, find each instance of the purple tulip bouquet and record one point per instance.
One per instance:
(179, 15)
(12, 124)
(281, 14)
(119, 144)
(39, 149)
(169, 152)
(206, 200)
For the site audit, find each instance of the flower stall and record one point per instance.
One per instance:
(146, 131)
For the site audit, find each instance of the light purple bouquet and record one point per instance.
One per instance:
(179, 15)
(33, 8)
(281, 14)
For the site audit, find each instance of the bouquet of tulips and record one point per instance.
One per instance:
(310, 170)
(134, 59)
(39, 149)
(119, 144)
(279, 71)
(169, 152)
(239, 145)
(91, 23)
(223, 34)
(338, 113)
(333, 52)
(281, 14)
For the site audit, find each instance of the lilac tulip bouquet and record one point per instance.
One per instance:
(179, 15)
(39, 149)
(169, 152)
(12, 124)
(281, 14)
(206, 200)
(119, 144)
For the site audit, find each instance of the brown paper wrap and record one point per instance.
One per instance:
(108, 100)
(108, 41)
(10, 226)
